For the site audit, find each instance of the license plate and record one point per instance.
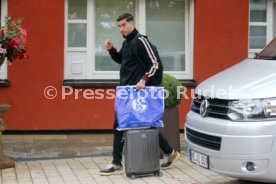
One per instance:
(199, 159)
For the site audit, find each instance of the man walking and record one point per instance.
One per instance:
(140, 66)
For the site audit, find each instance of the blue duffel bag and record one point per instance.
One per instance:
(139, 109)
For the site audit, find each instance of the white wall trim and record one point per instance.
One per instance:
(4, 10)
(191, 39)
(269, 16)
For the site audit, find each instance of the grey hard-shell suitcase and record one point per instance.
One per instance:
(142, 152)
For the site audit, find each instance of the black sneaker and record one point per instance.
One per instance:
(112, 169)
(169, 159)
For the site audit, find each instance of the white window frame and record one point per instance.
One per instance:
(87, 69)
(268, 24)
(4, 12)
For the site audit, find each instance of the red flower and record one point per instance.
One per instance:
(2, 33)
(13, 40)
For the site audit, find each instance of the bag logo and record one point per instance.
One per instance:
(139, 105)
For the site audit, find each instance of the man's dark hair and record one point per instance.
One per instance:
(126, 16)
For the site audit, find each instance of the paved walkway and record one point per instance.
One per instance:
(75, 159)
(53, 146)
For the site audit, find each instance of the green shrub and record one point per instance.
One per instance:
(170, 84)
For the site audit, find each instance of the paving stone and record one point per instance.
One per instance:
(45, 136)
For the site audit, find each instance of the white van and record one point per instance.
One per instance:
(231, 127)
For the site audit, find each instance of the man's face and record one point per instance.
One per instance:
(125, 27)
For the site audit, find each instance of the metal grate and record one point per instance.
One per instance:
(204, 140)
(217, 108)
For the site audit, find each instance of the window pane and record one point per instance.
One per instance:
(166, 29)
(76, 35)
(77, 9)
(106, 13)
(258, 11)
(257, 39)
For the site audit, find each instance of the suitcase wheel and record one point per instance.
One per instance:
(158, 173)
(131, 176)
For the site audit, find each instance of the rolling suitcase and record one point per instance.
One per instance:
(142, 152)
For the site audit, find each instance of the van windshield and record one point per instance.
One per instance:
(269, 52)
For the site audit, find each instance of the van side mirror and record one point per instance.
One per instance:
(268, 52)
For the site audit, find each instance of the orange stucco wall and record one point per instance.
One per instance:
(220, 40)
(221, 35)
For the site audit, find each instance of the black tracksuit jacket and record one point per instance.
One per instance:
(138, 61)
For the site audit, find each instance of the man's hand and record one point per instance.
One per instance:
(140, 85)
(108, 44)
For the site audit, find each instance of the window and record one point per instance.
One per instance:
(105, 27)
(262, 24)
(3, 13)
(89, 22)
(170, 15)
